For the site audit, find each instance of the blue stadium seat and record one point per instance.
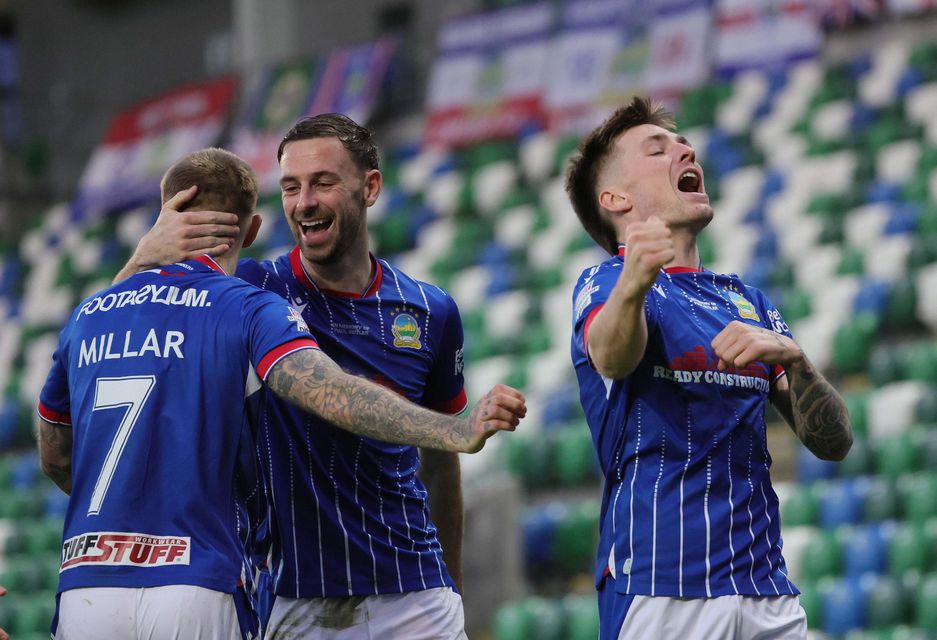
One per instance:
(840, 502)
(843, 606)
(865, 549)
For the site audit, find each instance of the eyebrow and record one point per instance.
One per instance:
(318, 175)
(661, 137)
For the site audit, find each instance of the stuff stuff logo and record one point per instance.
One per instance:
(124, 549)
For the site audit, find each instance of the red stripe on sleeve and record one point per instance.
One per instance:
(453, 406)
(53, 416)
(277, 353)
(778, 372)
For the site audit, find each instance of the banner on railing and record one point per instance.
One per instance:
(346, 81)
(488, 77)
(143, 141)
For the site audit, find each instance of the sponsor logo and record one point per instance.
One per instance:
(405, 329)
(746, 308)
(349, 328)
(705, 304)
(124, 549)
(721, 378)
(584, 297)
(167, 295)
(296, 316)
(459, 361)
(777, 322)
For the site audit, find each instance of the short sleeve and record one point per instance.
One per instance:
(274, 329)
(771, 319)
(445, 389)
(54, 401)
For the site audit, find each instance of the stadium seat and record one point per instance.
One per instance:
(909, 550)
(574, 458)
(881, 500)
(887, 604)
(798, 506)
(513, 621)
(926, 603)
(859, 461)
(919, 492)
(852, 343)
(893, 408)
(812, 603)
(822, 557)
(843, 606)
(896, 455)
(575, 539)
(865, 549)
(582, 617)
(839, 502)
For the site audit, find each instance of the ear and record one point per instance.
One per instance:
(252, 230)
(373, 181)
(616, 202)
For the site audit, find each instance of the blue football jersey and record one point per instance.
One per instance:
(350, 517)
(154, 376)
(688, 508)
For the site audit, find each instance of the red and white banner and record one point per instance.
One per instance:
(488, 77)
(764, 33)
(679, 38)
(346, 81)
(143, 141)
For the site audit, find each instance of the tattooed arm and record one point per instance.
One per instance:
(312, 381)
(55, 454)
(809, 403)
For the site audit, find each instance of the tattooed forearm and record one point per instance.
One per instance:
(821, 420)
(55, 454)
(312, 381)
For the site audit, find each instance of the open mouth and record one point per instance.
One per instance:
(314, 226)
(689, 182)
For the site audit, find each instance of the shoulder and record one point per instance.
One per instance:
(266, 274)
(414, 288)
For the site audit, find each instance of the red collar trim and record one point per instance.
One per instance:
(621, 254)
(299, 270)
(209, 262)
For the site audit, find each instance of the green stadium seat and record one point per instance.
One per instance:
(919, 493)
(43, 536)
(575, 539)
(881, 500)
(852, 343)
(884, 365)
(902, 302)
(513, 621)
(32, 616)
(926, 603)
(574, 456)
(582, 617)
(909, 550)
(822, 557)
(799, 508)
(860, 460)
(921, 362)
(548, 618)
(896, 455)
(795, 305)
(812, 603)
(887, 604)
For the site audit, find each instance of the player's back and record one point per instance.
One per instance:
(157, 370)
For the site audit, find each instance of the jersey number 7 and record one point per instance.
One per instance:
(114, 393)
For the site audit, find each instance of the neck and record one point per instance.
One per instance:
(686, 251)
(352, 273)
(228, 261)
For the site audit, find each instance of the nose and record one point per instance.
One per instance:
(307, 198)
(686, 152)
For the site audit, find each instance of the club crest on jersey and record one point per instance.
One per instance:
(405, 329)
(746, 308)
(296, 316)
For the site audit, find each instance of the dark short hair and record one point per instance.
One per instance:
(224, 181)
(355, 138)
(583, 172)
